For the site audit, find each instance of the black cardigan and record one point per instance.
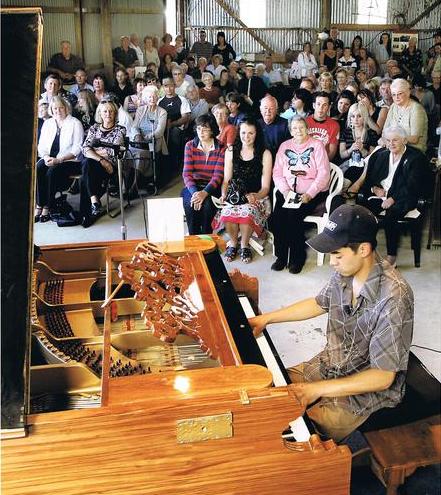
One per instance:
(411, 180)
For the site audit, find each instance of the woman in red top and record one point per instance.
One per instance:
(227, 132)
(167, 47)
(203, 175)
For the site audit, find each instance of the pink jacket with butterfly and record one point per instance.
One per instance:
(307, 161)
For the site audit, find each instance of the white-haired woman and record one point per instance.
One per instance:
(210, 93)
(100, 161)
(408, 114)
(301, 175)
(357, 141)
(149, 127)
(59, 146)
(396, 178)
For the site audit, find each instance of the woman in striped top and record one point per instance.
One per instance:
(203, 174)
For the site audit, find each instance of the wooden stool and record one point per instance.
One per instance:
(397, 452)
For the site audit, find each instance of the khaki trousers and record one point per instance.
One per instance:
(330, 420)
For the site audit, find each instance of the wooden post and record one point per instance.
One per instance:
(181, 17)
(106, 38)
(79, 48)
(325, 20)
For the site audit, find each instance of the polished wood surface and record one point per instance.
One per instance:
(397, 452)
(132, 449)
(130, 444)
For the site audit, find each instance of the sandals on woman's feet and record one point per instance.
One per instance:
(246, 255)
(231, 253)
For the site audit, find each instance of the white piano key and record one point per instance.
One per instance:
(298, 426)
(265, 349)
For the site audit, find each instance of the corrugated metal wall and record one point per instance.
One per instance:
(143, 24)
(61, 26)
(411, 10)
(301, 19)
(344, 11)
(292, 23)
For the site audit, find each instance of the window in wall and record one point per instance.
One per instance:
(170, 17)
(372, 11)
(253, 13)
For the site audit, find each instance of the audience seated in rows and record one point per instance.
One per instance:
(379, 102)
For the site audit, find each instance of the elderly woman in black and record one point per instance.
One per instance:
(395, 179)
(59, 146)
(100, 161)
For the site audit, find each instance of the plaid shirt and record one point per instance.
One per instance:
(376, 333)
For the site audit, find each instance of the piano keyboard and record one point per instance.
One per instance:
(279, 379)
(300, 431)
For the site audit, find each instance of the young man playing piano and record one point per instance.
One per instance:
(369, 332)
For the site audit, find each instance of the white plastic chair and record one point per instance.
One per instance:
(335, 187)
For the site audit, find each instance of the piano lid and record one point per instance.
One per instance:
(21, 29)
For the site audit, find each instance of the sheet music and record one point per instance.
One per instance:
(166, 219)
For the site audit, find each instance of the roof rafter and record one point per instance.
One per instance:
(250, 31)
(424, 13)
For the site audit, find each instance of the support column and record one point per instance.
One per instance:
(79, 48)
(106, 38)
(325, 18)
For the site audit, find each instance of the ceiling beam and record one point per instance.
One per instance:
(424, 13)
(250, 31)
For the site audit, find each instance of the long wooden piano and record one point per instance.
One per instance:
(114, 409)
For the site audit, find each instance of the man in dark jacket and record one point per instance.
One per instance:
(252, 88)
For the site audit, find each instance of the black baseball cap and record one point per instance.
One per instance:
(347, 224)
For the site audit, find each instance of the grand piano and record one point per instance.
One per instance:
(114, 408)
(96, 396)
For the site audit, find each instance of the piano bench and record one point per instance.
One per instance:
(398, 451)
(407, 436)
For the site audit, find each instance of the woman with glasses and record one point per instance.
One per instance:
(203, 174)
(301, 176)
(100, 161)
(408, 114)
(149, 127)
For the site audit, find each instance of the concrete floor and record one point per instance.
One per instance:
(296, 341)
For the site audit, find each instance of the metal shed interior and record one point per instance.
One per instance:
(95, 26)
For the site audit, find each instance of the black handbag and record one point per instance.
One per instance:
(236, 193)
(64, 214)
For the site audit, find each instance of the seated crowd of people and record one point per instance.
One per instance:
(223, 125)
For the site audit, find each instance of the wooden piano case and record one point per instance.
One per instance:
(192, 430)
